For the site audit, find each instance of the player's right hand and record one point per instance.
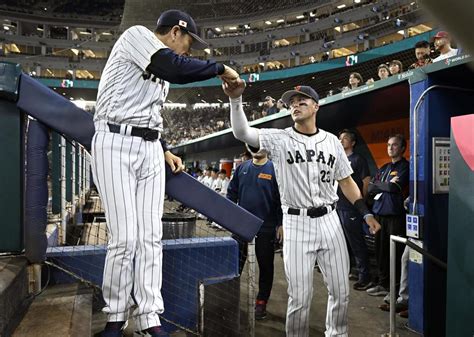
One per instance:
(234, 90)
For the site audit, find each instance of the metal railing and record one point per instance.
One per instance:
(393, 256)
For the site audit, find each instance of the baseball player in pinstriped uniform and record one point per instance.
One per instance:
(128, 162)
(309, 165)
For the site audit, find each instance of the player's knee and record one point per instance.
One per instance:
(122, 246)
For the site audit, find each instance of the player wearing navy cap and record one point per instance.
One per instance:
(309, 164)
(128, 162)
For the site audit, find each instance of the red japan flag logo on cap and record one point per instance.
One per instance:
(298, 88)
(183, 23)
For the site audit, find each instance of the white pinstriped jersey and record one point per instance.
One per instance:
(307, 167)
(127, 94)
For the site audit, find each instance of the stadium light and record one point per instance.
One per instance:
(357, 1)
(341, 6)
(280, 21)
(217, 29)
(268, 22)
(300, 16)
(233, 28)
(6, 27)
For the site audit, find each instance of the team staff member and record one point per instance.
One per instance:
(390, 187)
(128, 161)
(254, 187)
(308, 162)
(422, 53)
(350, 217)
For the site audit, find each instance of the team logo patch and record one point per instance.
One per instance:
(183, 23)
(265, 176)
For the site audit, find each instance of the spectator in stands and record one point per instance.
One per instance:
(351, 220)
(389, 189)
(214, 173)
(245, 156)
(281, 106)
(254, 188)
(422, 53)
(221, 183)
(395, 67)
(254, 115)
(442, 43)
(199, 175)
(269, 106)
(383, 71)
(207, 180)
(355, 80)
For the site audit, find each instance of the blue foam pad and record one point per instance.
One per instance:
(64, 117)
(55, 111)
(197, 196)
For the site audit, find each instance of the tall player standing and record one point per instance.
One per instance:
(128, 162)
(308, 162)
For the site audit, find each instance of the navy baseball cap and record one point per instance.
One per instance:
(174, 17)
(300, 90)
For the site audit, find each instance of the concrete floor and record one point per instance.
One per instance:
(365, 319)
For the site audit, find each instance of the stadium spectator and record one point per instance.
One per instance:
(269, 106)
(245, 156)
(281, 106)
(442, 43)
(383, 71)
(422, 53)
(207, 180)
(221, 183)
(199, 175)
(355, 80)
(395, 67)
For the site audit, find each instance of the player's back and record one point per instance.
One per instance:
(126, 94)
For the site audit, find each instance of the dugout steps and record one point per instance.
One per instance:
(61, 310)
(14, 297)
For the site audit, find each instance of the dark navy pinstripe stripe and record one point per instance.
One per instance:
(140, 258)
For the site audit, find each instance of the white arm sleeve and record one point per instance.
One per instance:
(240, 125)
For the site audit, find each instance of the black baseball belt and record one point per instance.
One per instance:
(313, 212)
(145, 133)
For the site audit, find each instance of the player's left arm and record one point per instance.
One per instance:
(175, 162)
(352, 193)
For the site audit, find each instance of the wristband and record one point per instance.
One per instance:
(362, 207)
(367, 216)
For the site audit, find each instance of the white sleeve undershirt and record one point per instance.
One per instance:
(240, 125)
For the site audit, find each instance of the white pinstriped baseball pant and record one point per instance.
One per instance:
(130, 176)
(305, 241)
